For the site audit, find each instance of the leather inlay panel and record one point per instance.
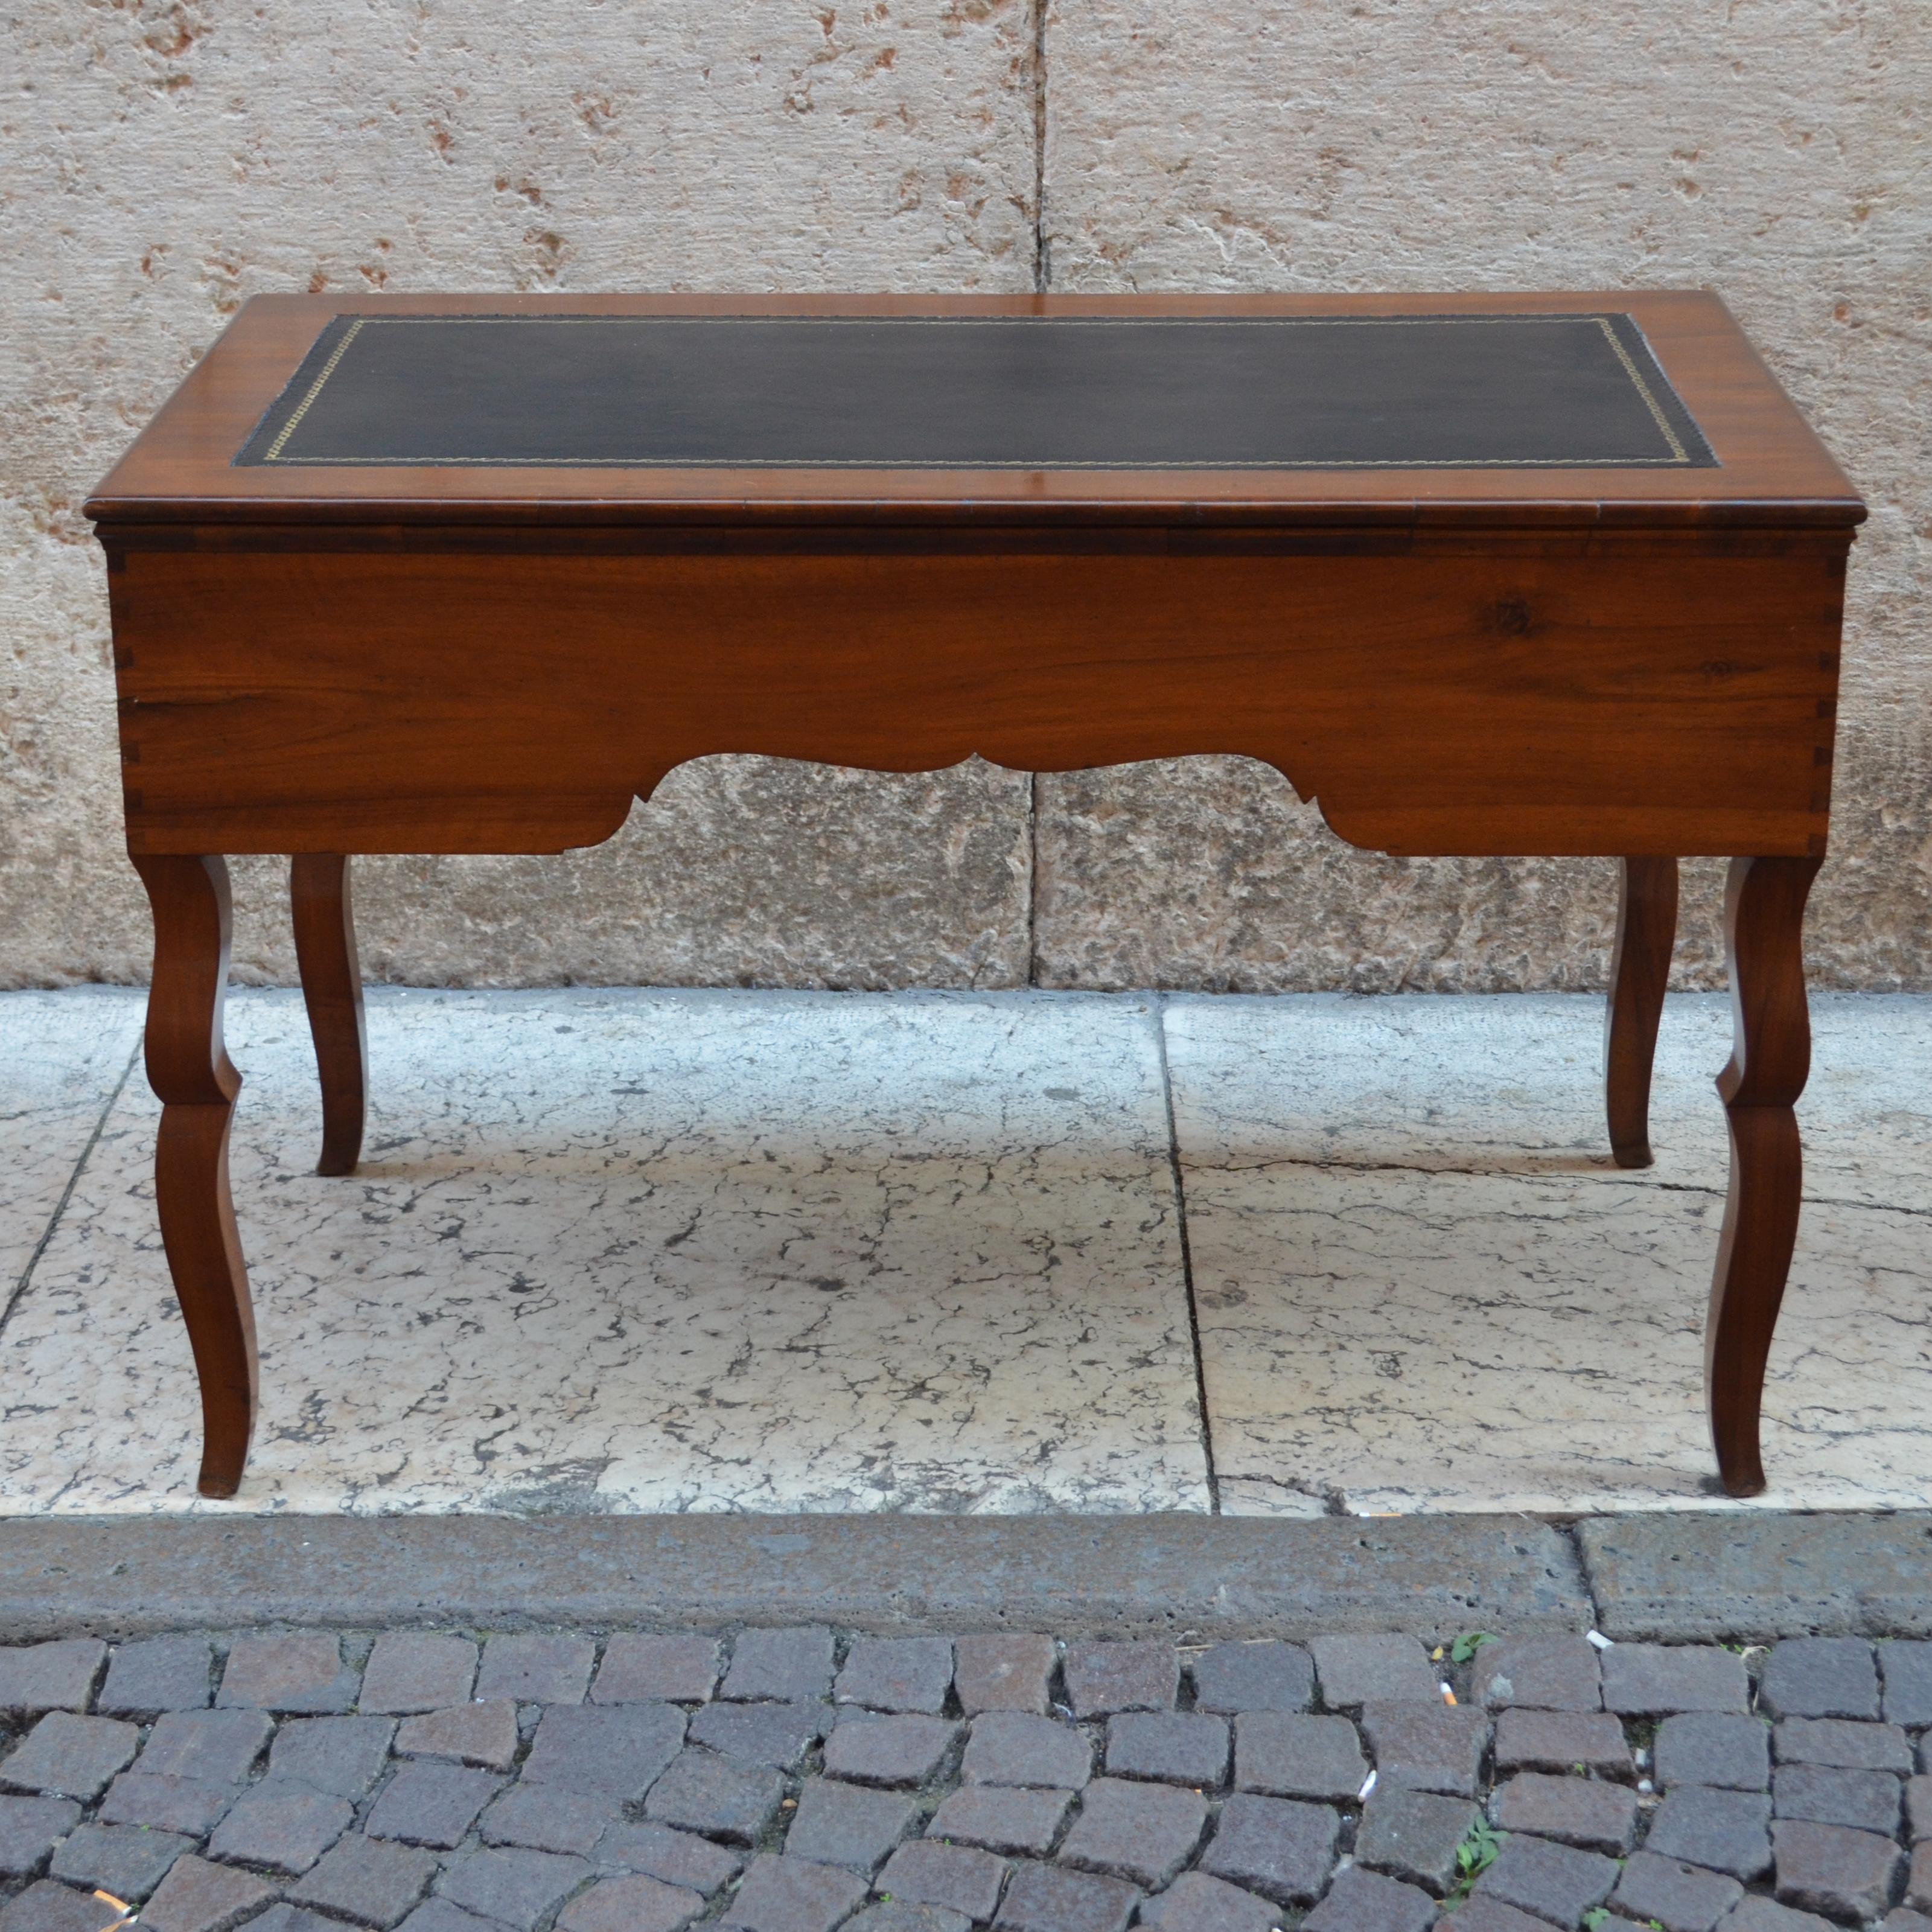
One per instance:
(902, 392)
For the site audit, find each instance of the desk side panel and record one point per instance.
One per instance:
(1585, 698)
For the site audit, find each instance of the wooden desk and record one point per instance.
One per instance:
(1522, 574)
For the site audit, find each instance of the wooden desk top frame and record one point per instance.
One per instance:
(1636, 661)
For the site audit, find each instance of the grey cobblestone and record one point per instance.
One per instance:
(118, 1858)
(29, 1827)
(160, 1673)
(1016, 1747)
(1004, 1673)
(962, 1878)
(1649, 1680)
(639, 1668)
(1232, 1677)
(782, 1666)
(606, 1809)
(532, 1669)
(1680, 1898)
(717, 1797)
(479, 1734)
(1050, 1898)
(1353, 1671)
(68, 1757)
(788, 1894)
(1144, 1832)
(894, 1751)
(903, 1673)
(59, 1676)
(1000, 1819)
(1279, 1847)
(48, 1906)
(1820, 1677)
(1413, 1835)
(1285, 1754)
(1137, 1675)
(411, 1671)
(1196, 1903)
(303, 1672)
(774, 1734)
(677, 1857)
(1547, 1673)
(1598, 1816)
(1172, 1747)
(1562, 1741)
(370, 1880)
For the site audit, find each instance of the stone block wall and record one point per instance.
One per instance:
(167, 158)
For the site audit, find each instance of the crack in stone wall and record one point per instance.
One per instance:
(174, 156)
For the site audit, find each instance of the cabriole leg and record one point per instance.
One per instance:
(332, 981)
(1770, 1058)
(189, 1071)
(1639, 971)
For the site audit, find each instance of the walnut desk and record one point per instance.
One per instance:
(1528, 574)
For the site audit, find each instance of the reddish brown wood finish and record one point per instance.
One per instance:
(1771, 1059)
(1639, 971)
(322, 662)
(189, 1068)
(331, 982)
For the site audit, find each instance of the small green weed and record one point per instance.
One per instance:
(1466, 1646)
(1474, 1855)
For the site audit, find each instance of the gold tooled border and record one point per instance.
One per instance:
(1678, 456)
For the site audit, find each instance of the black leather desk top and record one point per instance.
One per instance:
(1477, 391)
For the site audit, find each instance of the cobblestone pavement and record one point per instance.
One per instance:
(795, 1780)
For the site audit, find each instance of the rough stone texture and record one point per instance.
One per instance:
(1679, 1898)
(367, 1880)
(1001, 1820)
(198, 1895)
(677, 1857)
(1135, 1676)
(50, 1907)
(1429, 1747)
(1004, 1673)
(789, 1665)
(69, 1757)
(160, 1673)
(29, 1827)
(1562, 1741)
(287, 1826)
(897, 1916)
(1016, 1747)
(1413, 1835)
(1549, 1673)
(1195, 1902)
(121, 1859)
(900, 1749)
(416, 1670)
(536, 1669)
(1868, 1801)
(166, 1804)
(635, 1904)
(1179, 1746)
(611, 1751)
(1291, 1755)
(779, 1734)
(1712, 1748)
(1820, 1677)
(1354, 1670)
(343, 1755)
(636, 1667)
(1048, 1898)
(1826, 1868)
(219, 1746)
(549, 1819)
(847, 1824)
(1918, 1809)
(1600, 1817)
(1144, 1832)
(1905, 1668)
(57, 1676)
(485, 1734)
(1840, 1742)
(303, 1671)
(959, 1877)
(719, 1796)
(1647, 1680)
(1555, 1882)
(786, 1894)
(1728, 1831)
(1276, 1846)
(1360, 1901)
(431, 1803)
(517, 1887)
(1265, 1676)
(909, 1673)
